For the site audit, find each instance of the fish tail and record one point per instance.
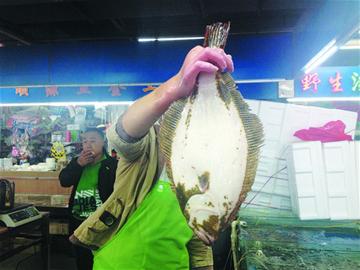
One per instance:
(216, 35)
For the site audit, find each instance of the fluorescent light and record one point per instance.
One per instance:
(354, 47)
(319, 99)
(353, 44)
(179, 38)
(321, 59)
(80, 103)
(168, 39)
(146, 39)
(2, 45)
(328, 50)
(321, 52)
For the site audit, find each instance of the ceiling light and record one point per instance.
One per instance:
(322, 99)
(321, 52)
(168, 39)
(146, 39)
(352, 44)
(179, 38)
(350, 47)
(321, 56)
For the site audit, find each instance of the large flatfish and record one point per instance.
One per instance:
(211, 145)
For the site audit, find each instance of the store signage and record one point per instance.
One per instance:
(110, 93)
(329, 82)
(149, 88)
(116, 90)
(84, 90)
(52, 93)
(22, 91)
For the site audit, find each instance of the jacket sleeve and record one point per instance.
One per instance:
(71, 174)
(129, 150)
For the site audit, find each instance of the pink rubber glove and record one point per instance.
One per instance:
(199, 59)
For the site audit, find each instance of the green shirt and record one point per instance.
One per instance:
(152, 238)
(87, 198)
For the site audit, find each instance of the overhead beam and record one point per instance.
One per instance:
(82, 13)
(14, 36)
(32, 2)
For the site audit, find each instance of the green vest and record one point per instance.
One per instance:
(87, 198)
(154, 237)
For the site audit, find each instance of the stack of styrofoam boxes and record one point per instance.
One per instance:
(325, 180)
(280, 121)
(266, 192)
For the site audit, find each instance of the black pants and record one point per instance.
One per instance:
(84, 256)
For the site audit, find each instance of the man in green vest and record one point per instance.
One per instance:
(92, 176)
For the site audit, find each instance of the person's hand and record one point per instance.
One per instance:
(86, 157)
(199, 59)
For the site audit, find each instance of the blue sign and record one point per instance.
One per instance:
(111, 93)
(71, 94)
(329, 82)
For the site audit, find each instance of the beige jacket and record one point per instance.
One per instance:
(139, 167)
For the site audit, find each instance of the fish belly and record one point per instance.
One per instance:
(210, 140)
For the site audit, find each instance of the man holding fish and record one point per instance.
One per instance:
(143, 224)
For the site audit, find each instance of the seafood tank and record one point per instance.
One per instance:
(271, 241)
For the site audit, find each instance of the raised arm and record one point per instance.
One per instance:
(138, 119)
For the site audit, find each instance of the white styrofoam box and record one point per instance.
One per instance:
(280, 122)
(267, 200)
(320, 116)
(307, 181)
(262, 184)
(266, 166)
(302, 117)
(357, 159)
(271, 185)
(271, 177)
(296, 117)
(272, 115)
(356, 147)
(341, 179)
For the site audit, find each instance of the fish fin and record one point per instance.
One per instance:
(216, 35)
(255, 138)
(167, 131)
(225, 84)
(229, 82)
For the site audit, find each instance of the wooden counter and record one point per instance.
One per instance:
(36, 182)
(39, 188)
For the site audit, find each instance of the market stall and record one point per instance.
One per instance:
(297, 68)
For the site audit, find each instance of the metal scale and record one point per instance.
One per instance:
(11, 214)
(19, 215)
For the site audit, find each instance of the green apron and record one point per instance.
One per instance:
(153, 238)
